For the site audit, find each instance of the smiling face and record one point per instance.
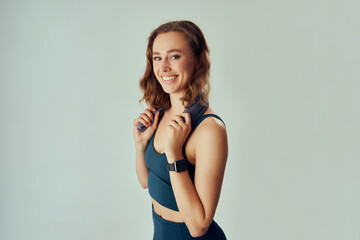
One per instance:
(173, 62)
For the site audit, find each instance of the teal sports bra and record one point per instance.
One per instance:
(159, 184)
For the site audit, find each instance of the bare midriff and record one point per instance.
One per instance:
(166, 213)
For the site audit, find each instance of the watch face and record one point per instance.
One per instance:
(177, 166)
(181, 165)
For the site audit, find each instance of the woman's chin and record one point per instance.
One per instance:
(169, 90)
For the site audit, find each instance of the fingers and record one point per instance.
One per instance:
(145, 118)
(187, 117)
(148, 114)
(173, 123)
(182, 121)
(156, 120)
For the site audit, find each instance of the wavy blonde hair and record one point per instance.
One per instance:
(154, 95)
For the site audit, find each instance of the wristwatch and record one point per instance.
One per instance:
(177, 166)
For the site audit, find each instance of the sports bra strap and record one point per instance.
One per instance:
(203, 117)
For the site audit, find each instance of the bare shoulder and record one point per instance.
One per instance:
(211, 129)
(211, 144)
(211, 126)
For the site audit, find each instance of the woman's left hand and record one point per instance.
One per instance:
(178, 130)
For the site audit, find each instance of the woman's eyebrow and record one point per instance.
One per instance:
(169, 51)
(174, 50)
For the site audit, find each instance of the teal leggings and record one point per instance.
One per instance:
(166, 230)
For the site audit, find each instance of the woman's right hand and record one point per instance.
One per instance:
(149, 120)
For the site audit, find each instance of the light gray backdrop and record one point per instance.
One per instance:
(284, 77)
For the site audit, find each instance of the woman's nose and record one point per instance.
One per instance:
(165, 65)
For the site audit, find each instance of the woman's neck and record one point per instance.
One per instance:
(177, 106)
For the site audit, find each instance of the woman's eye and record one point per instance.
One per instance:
(157, 58)
(175, 57)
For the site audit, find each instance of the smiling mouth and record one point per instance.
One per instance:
(169, 78)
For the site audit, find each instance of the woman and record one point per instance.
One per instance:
(181, 164)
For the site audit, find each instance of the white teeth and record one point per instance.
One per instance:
(168, 78)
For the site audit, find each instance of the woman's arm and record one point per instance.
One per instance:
(141, 142)
(142, 170)
(197, 202)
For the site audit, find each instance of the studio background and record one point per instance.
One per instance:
(284, 78)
